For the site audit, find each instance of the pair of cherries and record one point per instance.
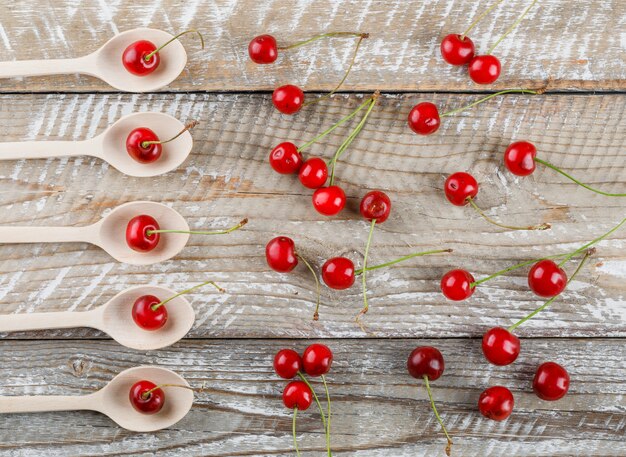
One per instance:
(144, 145)
(289, 99)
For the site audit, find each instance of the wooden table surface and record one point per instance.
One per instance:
(379, 410)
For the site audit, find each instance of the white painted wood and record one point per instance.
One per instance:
(106, 63)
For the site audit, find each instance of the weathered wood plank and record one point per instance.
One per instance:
(378, 409)
(578, 44)
(228, 177)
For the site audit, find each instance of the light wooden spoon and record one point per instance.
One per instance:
(115, 319)
(110, 146)
(112, 400)
(106, 63)
(110, 233)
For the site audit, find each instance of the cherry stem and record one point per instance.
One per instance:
(345, 75)
(558, 170)
(341, 122)
(324, 35)
(592, 242)
(189, 126)
(149, 56)
(484, 99)
(479, 18)
(352, 136)
(549, 302)
(194, 232)
(316, 314)
(293, 430)
(319, 405)
(364, 270)
(432, 404)
(186, 291)
(402, 259)
(147, 394)
(544, 226)
(510, 29)
(327, 416)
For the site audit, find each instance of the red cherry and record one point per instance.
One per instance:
(287, 363)
(496, 403)
(285, 158)
(263, 49)
(456, 50)
(425, 361)
(135, 148)
(338, 273)
(317, 359)
(424, 118)
(134, 58)
(519, 158)
(280, 254)
(144, 402)
(456, 285)
(551, 381)
(313, 173)
(484, 69)
(500, 346)
(297, 395)
(137, 236)
(146, 317)
(547, 279)
(375, 205)
(329, 200)
(459, 187)
(288, 99)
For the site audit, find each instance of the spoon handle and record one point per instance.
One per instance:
(44, 321)
(16, 68)
(46, 234)
(41, 149)
(42, 403)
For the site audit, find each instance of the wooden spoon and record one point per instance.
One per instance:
(110, 146)
(106, 63)
(115, 319)
(112, 400)
(110, 233)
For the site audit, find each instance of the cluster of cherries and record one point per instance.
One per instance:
(289, 99)
(298, 395)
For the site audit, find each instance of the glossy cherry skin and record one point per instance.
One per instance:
(147, 318)
(285, 158)
(519, 158)
(547, 279)
(135, 149)
(263, 49)
(317, 359)
(313, 173)
(496, 403)
(137, 237)
(297, 395)
(338, 273)
(425, 361)
(424, 118)
(287, 363)
(329, 201)
(500, 346)
(375, 205)
(459, 187)
(551, 381)
(280, 254)
(457, 51)
(134, 58)
(288, 99)
(484, 69)
(152, 404)
(456, 285)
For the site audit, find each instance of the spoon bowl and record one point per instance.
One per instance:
(115, 401)
(113, 147)
(108, 66)
(112, 233)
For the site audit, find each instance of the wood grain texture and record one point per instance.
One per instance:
(227, 177)
(379, 410)
(579, 44)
